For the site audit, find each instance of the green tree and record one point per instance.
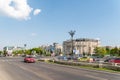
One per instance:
(119, 52)
(38, 50)
(115, 51)
(100, 51)
(27, 52)
(5, 53)
(108, 51)
(16, 52)
(1, 52)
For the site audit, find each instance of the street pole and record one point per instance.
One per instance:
(72, 34)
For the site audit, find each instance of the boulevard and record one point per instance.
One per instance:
(15, 69)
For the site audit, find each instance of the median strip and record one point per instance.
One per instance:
(96, 66)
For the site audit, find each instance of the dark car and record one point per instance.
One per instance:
(108, 59)
(29, 59)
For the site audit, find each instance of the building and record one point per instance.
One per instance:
(58, 48)
(9, 49)
(54, 48)
(81, 46)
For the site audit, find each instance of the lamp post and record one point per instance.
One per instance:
(72, 33)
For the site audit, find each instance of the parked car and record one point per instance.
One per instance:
(29, 59)
(108, 59)
(62, 58)
(96, 58)
(115, 60)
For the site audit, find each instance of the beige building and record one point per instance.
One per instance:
(58, 48)
(81, 46)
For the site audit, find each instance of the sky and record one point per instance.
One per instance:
(41, 22)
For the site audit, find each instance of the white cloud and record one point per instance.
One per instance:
(18, 9)
(36, 11)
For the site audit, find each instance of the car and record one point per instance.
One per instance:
(108, 59)
(29, 59)
(115, 60)
(95, 58)
(62, 58)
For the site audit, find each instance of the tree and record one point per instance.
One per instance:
(108, 51)
(119, 52)
(1, 52)
(5, 53)
(38, 50)
(16, 52)
(115, 51)
(100, 51)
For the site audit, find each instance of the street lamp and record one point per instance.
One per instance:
(72, 33)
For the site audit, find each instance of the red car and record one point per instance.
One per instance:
(115, 60)
(29, 59)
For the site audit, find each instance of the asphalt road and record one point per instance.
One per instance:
(16, 69)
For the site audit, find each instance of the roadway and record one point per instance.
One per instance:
(16, 69)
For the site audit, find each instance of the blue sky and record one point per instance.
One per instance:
(55, 18)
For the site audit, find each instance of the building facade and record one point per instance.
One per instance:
(9, 49)
(81, 46)
(58, 48)
(55, 48)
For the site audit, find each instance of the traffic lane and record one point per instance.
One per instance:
(59, 70)
(20, 65)
(51, 74)
(13, 72)
(55, 72)
(11, 59)
(102, 75)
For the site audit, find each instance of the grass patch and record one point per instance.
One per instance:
(99, 69)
